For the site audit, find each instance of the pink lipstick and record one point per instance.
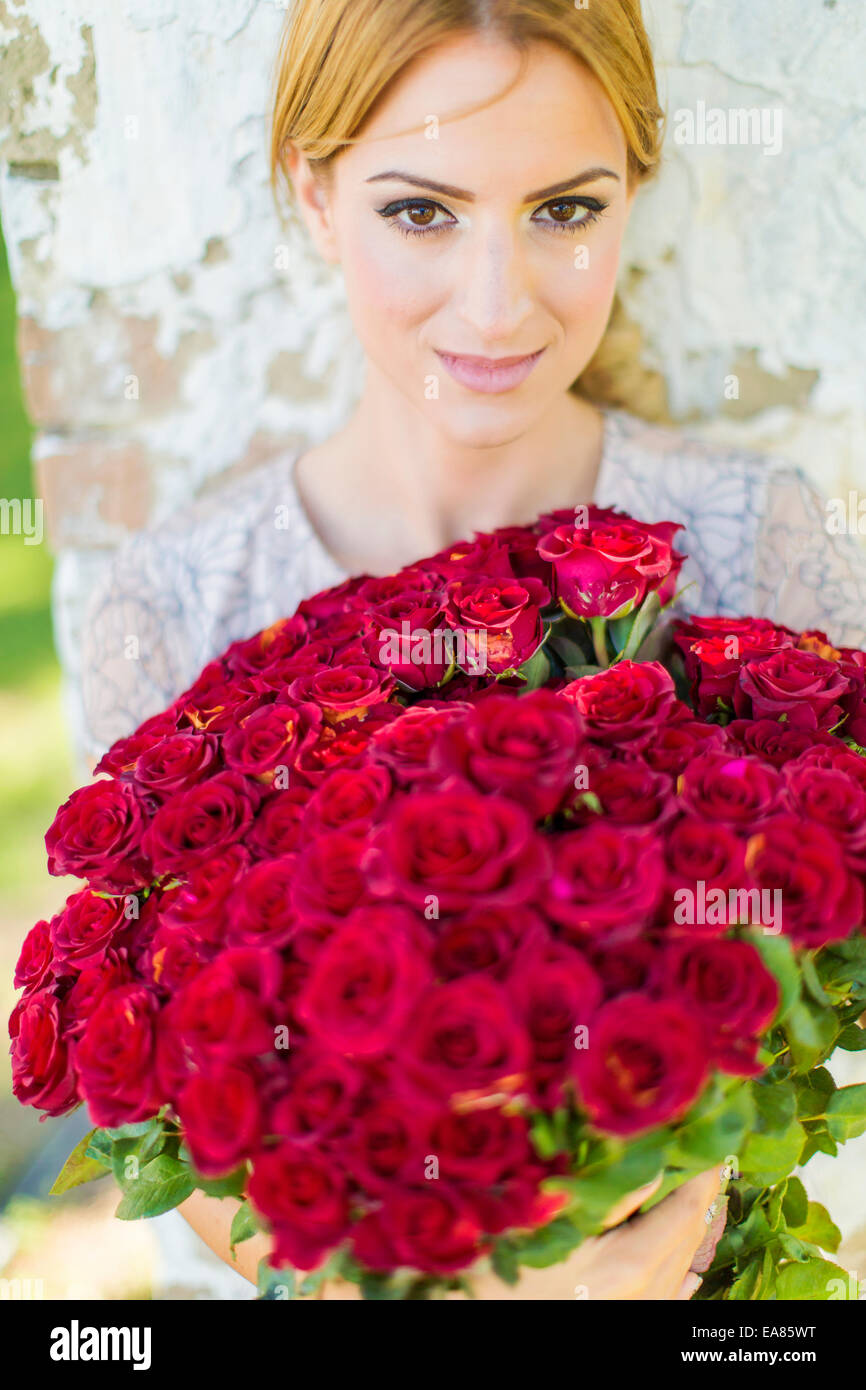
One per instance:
(489, 374)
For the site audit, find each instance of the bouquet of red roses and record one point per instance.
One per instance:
(435, 918)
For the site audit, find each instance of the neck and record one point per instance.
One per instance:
(397, 503)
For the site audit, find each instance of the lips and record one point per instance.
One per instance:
(489, 375)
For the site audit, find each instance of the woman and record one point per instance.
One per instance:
(471, 165)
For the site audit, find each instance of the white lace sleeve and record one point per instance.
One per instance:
(806, 575)
(136, 645)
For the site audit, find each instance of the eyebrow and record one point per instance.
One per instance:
(461, 195)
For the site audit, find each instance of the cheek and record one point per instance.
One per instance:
(581, 291)
(386, 287)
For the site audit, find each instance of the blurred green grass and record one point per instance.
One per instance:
(35, 762)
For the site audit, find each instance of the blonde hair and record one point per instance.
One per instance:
(338, 58)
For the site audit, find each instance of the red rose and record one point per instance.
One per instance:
(404, 746)
(322, 1096)
(36, 957)
(624, 704)
(479, 1146)
(271, 738)
(525, 748)
(200, 822)
(344, 692)
(351, 800)
(224, 1013)
(645, 1064)
(328, 881)
(175, 954)
(464, 1042)
(821, 900)
(384, 1144)
(282, 639)
(606, 569)
(457, 847)
(115, 1059)
(97, 834)
(89, 988)
(607, 882)
(804, 690)
(431, 1228)
(83, 931)
(499, 618)
(833, 799)
(220, 1113)
(260, 911)
(737, 791)
(628, 793)
(485, 939)
(773, 742)
(733, 994)
(364, 983)
(176, 762)
(555, 991)
(199, 902)
(714, 660)
(43, 1073)
(125, 752)
(411, 640)
(303, 1197)
(703, 851)
(680, 739)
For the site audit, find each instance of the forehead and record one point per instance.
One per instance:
(553, 122)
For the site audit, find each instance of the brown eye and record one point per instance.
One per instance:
(562, 210)
(422, 214)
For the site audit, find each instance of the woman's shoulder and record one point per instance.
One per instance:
(686, 463)
(756, 529)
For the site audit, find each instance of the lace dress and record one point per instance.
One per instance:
(177, 595)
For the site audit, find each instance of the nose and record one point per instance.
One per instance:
(495, 292)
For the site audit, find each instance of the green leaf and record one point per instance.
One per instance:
(548, 1245)
(714, 1128)
(818, 1228)
(275, 1285)
(743, 1287)
(795, 1204)
(645, 620)
(778, 956)
(229, 1185)
(245, 1225)
(775, 1105)
(505, 1261)
(811, 1033)
(846, 1112)
(810, 977)
(615, 1170)
(162, 1184)
(768, 1158)
(536, 670)
(815, 1279)
(80, 1167)
(852, 1038)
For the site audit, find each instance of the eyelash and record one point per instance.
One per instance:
(595, 209)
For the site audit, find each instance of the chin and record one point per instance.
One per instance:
(494, 422)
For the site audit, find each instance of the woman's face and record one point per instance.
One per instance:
(493, 238)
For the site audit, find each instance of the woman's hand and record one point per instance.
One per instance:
(647, 1258)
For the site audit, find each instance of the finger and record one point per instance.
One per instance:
(630, 1203)
(689, 1287)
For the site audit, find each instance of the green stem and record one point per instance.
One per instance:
(598, 627)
